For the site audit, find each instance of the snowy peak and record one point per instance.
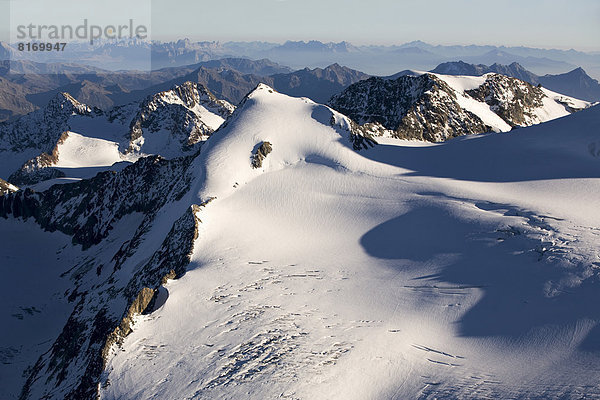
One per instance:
(515, 101)
(64, 103)
(260, 89)
(437, 107)
(280, 131)
(575, 83)
(418, 107)
(42, 128)
(192, 94)
(173, 121)
(69, 137)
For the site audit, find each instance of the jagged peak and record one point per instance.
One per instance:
(578, 71)
(6, 187)
(189, 94)
(515, 64)
(64, 101)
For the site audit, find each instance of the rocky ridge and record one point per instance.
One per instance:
(422, 107)
(178, 119)
(109, 285)
(427, 107)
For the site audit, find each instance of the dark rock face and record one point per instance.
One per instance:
(173, 111)
(89, 216)
(42, 128)
(40, 168)
(412, 107)
(260, 154)
(318, 84)
(575, 83)
(107, 292)
(513, 100)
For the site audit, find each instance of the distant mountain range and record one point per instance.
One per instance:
(28, 85)
(229, 78)
(574, 83)
(375, 60)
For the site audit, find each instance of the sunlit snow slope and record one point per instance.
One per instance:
(467, 269)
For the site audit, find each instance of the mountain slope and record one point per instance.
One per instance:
(317, 84)
(376, 274)
(27, 86)
(6, 187)
(121, 227)
(130, 230)
(184, 115)
(436, 107)
(263, 67)
(404, 269)
(575, 83)
(79, 142)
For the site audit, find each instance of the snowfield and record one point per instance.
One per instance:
(78, 151)
(467, 269)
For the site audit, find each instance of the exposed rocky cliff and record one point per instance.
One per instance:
(110, 285)
(422, 107)
(436, 108)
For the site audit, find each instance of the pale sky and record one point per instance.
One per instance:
(535, 23)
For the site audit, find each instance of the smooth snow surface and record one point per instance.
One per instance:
(79, 151)
(467, 269)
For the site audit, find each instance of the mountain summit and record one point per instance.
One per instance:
(437, 107)
(575, 83)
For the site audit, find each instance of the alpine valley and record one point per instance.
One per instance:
(416, 236)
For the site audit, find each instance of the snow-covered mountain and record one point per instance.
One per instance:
(575, 83)
(292, 257)
(77, 141)
(6, 187)
(515, 70)
(171, 121)
(318, 84)
(436, 107)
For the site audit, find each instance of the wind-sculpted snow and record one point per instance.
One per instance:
(395, 272)
(123, 224)
(295, 128)
(334, 268)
